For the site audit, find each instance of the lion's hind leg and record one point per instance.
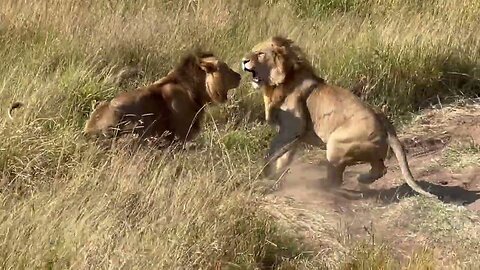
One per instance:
(377, 170)
(337, 162)
(335, 174)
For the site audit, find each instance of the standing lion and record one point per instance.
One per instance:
(306, 108)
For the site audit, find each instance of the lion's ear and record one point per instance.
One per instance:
(279, 49)
(209, 65)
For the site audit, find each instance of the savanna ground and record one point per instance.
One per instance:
(65, 203)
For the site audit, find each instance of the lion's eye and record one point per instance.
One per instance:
(260, 55)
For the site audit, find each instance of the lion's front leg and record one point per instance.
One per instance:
(280, 154)
(269, 110)
(292, 126)
(272, 106)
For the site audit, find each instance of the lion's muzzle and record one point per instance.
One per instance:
(246, 67)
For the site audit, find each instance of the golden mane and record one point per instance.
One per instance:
(293, 54)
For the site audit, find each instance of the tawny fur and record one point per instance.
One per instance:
(172, 105)
(310, 110)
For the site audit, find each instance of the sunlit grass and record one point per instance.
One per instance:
(68, 204)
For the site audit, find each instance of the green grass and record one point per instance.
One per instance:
(67, 204)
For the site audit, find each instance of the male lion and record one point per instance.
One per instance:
(173, 105)
(306, 108)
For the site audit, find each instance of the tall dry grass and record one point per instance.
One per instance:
(66, 204)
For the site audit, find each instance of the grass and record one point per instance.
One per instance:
(450, 227)
(67, 204)
(367, 256)
(461, 155)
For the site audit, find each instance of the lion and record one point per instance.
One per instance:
(305, 108)
(171, 106)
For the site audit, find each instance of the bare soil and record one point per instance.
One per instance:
(363, 212)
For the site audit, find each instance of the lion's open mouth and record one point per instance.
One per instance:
(255, 78)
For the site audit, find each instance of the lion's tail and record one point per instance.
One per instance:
(14, 106)
(397, 148)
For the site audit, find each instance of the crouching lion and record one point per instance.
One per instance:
(305, 108)
(172, 105)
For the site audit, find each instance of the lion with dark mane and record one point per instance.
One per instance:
(306, 108)
(172, 106)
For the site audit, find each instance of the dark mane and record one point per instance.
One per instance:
(189, 73)
(188, 69)
(190, 61)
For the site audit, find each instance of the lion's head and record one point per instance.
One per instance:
(271, 62)
(205, 69)
(219, 78)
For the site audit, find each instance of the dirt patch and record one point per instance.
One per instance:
(360, 210)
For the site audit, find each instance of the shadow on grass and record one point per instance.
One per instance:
(448, 194)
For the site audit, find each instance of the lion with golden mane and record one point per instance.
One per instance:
(307, 109)
(172, 105)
